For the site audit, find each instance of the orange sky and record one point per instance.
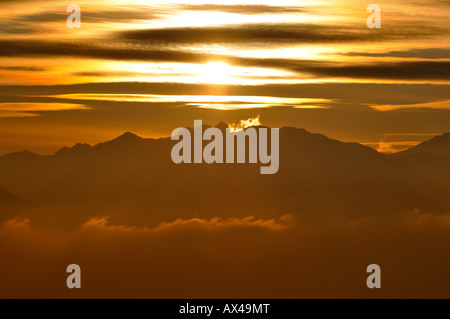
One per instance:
(151, 66)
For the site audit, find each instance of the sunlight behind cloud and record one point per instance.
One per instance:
(221, 102)
(36, 107)
(243, 124)
(443, 105)
(216, 72)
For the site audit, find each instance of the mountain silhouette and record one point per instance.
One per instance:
(222, 126)
(134, 180)
(437, 146)
(430, 159)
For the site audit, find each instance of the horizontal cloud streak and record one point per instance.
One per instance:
(408, 70)
(429, 53)
(355, 93)
(118, 15)
(278, 33)
(213, 224)
(244, 8)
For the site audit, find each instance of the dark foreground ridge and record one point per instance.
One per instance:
(135, 180)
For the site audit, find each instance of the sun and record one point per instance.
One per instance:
(216, 72)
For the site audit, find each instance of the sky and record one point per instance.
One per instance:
(151, 66)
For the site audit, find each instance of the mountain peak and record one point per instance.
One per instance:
(25, 155)
(77, 148)
(222, 126)
(128, 136)
(438, 145)
(125, 139)
(445, 136)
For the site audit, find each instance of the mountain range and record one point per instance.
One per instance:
(134, 181)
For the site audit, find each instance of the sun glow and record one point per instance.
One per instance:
(216, 72)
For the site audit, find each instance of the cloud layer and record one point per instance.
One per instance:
(238, 258)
